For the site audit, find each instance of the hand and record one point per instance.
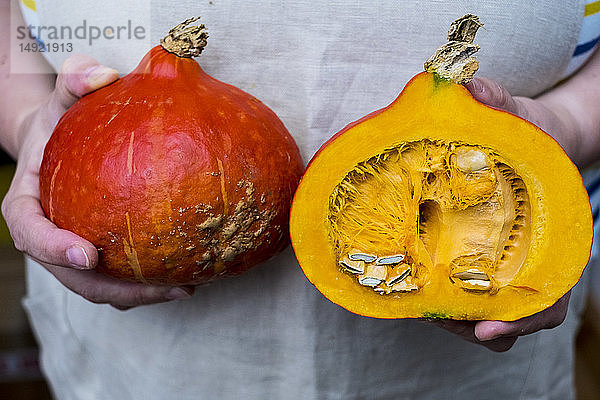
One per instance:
(546, 112)
(70, 258)
(500, 335)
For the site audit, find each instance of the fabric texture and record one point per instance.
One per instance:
(588, 36)
(269, 334)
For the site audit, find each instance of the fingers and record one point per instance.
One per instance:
(554, 120)
(547, 319)
(71, 259)
(500, 336)
(36, 236)
(465, 329)
(102, 289)
(501, 344)
(491, 93)
(78, 76)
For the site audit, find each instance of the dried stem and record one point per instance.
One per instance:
(453, 60)
(186, 41)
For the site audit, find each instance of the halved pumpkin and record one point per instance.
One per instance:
(440, 206)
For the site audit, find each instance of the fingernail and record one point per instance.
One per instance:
(100, 75)
(484, 338)
(78, 258)
(476, 86)
(177, 293)
(484, 334)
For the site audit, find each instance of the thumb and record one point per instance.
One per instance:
(79, 75)
(493, 94)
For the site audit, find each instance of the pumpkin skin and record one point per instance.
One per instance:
(552, 252)
(176, 177)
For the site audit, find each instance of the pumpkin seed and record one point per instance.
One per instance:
(472, 279)
(355, 267)
(382, 289)
(369, 281)
(373, 275)
(390, 260)
(478, 282)
(478, 285)
(471, 273)
(404, 286)
(397, 275)
(356, 255)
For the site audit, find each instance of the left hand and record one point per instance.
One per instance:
(501, 335)
(69, 257)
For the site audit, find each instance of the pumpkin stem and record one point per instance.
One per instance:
(186, 41)
(453, 60)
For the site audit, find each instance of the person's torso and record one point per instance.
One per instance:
(269, 334)
(320, 65)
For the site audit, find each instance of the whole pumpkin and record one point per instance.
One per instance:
(438, 206)
(176, 177)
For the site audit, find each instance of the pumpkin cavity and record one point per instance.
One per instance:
(428, 211)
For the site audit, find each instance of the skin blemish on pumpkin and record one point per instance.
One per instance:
(131, 253)
(130, 169)
(50, 195)
(118, 112)
(228, 236)
(211, 223)
(223, 190)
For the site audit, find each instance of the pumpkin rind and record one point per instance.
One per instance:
(433, 109)
(176, 177)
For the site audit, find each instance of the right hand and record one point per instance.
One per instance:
(70, 258)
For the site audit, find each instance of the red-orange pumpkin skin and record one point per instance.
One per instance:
(176, 177)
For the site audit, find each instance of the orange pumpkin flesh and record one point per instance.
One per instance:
(176, 177)
(439, 206)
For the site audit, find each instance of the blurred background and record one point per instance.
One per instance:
(21, 379)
